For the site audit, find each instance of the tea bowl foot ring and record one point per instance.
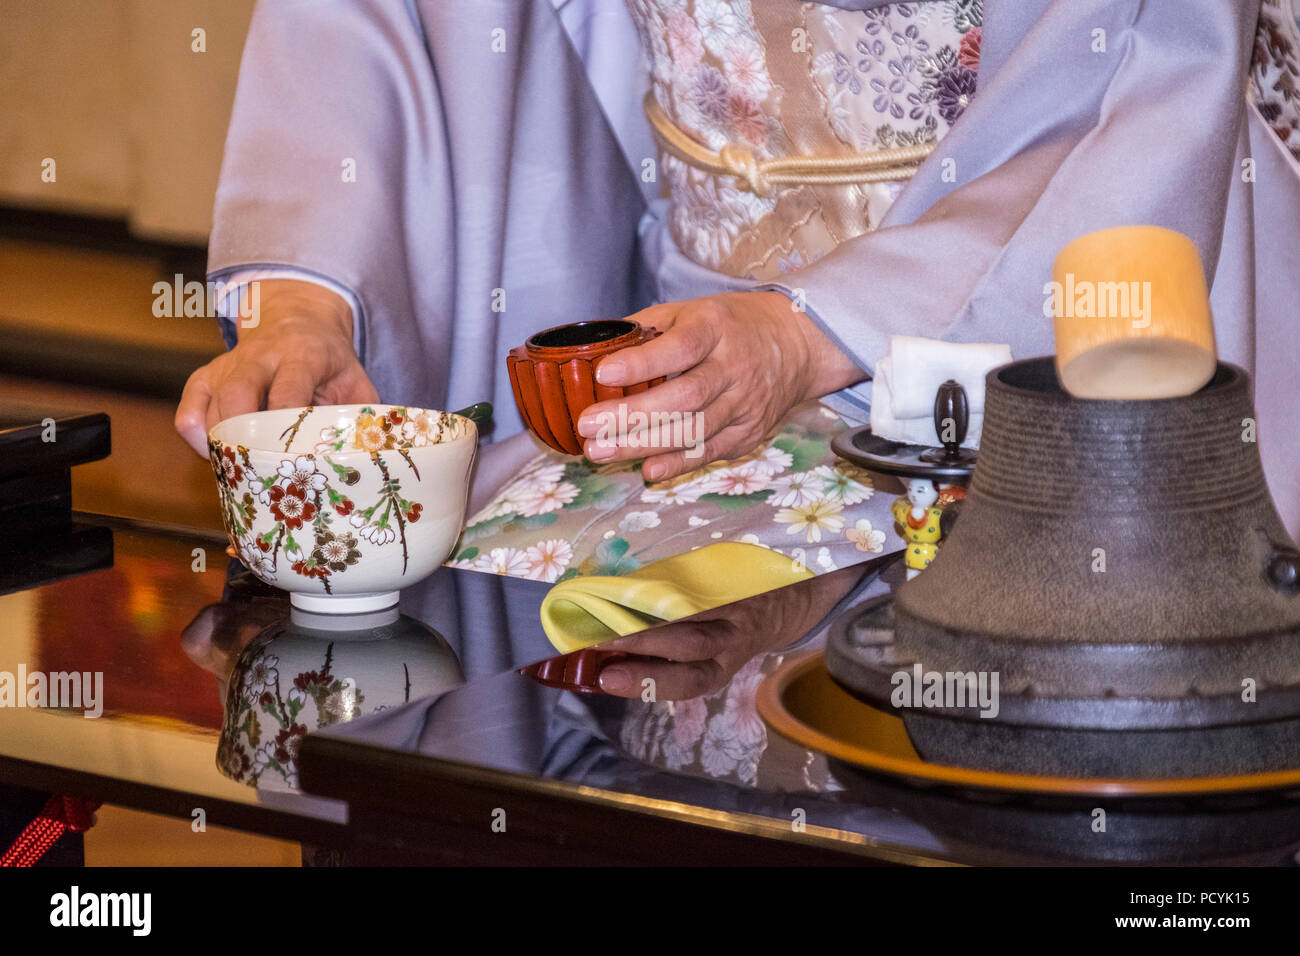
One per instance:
(345, 603)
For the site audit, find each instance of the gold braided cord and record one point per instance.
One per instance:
(760, 175)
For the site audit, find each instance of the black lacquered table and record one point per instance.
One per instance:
(500, 769)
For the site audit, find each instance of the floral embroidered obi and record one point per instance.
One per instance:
(753, 86)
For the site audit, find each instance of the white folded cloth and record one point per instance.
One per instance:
(907, 380)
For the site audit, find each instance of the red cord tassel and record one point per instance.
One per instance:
(59, 815)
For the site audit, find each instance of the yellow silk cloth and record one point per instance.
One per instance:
(584, 611)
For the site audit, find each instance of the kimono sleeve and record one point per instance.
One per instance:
(1088, 114)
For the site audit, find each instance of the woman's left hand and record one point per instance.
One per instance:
(745, 358)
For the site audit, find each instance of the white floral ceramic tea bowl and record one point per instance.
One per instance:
(343, 505)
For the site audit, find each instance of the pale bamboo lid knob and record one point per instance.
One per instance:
(1131, 313)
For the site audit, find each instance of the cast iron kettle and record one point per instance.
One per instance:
(1120, 566)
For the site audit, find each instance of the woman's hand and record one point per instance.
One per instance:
(745, 358)
(299, 353)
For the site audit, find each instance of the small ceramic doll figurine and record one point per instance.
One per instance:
(917, 514)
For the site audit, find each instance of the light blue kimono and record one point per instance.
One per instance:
(492, 197)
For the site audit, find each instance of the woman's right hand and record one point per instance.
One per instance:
(298, 353)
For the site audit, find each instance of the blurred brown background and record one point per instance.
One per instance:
(134, 118)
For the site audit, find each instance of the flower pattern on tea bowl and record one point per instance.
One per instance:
(311, 671)
(343, 505)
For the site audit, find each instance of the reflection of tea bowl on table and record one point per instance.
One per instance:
(343, 505)
(553, 376)
(310, 671)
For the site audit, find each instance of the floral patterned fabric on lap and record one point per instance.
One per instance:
(566, 516)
